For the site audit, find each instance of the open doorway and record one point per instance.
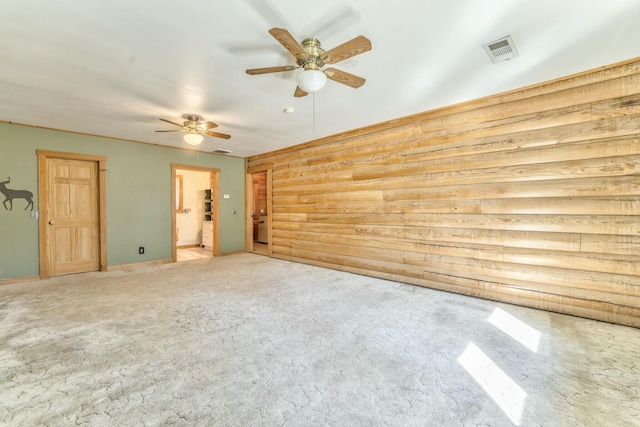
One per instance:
(196, 213)
(259, 211)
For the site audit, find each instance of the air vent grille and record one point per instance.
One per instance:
(501, 50)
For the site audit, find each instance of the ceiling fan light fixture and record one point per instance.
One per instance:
(311, 80)
(193, 139)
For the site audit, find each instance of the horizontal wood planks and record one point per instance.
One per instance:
(529, 197)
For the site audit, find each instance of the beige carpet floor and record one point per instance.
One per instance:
(246, 340)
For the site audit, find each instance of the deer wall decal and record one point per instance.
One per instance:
(15, 194)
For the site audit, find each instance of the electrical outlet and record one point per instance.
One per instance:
(141, 250)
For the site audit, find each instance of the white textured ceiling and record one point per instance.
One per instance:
(113, 68)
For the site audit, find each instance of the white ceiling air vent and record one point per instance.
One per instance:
(222, 151)
(501, 50)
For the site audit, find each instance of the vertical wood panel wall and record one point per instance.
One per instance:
(530, 197)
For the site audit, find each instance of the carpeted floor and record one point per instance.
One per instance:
(246, 340)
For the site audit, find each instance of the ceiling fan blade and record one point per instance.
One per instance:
(344, 77)
(346, 50)
(289, 42)
(217, 135)
(209, 125)
(177, 130)
(267, 70)
(299, 93)
(170, 122)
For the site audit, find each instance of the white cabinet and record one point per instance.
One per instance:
(207, 234)
(263, 230)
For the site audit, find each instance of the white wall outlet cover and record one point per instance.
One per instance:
(227, 196)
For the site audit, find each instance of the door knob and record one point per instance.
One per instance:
(51, 222)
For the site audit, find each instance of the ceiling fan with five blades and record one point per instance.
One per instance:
(312, 58)
(195, 127)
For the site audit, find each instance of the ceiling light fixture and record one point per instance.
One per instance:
(311, 80)
(193, 138)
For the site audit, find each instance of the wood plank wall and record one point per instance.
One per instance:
(530, 197)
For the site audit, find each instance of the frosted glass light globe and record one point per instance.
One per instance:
(193, 139)
(311, 80)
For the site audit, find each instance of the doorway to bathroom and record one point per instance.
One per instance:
(196, 217)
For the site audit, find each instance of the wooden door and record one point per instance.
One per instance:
(72, 216)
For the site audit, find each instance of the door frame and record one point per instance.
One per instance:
(43, 190)
(268, 168)
(214, 183)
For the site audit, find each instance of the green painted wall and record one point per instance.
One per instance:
(138, 196)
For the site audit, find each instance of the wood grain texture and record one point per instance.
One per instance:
(80, 220)
(530, 197)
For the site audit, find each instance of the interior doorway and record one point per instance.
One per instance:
(195, 225)
(259, 211)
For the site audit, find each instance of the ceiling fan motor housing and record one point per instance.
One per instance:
(314, 53)
(193, 121)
